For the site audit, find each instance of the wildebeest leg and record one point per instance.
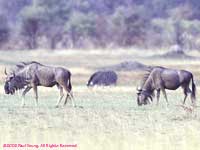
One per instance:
(72, 99)
(69, 95)
(185, 93)
(61, 96)
(165, 95)
(66, 99)
(23, 95)
(158, 96)
(19, 93)
(36, 95)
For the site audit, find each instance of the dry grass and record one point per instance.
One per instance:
(108, 118)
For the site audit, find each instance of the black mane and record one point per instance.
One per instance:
(21, 65)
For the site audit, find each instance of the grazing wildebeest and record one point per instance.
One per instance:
(160, 78)
(33, 74)
(103, 78)
(12, 72)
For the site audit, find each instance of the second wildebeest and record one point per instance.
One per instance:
(160, 78)
(33, 74)
(103, 78)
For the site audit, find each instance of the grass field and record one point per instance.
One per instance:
(107, 118)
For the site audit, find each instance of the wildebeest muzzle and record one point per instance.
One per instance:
(143, 97)
(8, 89)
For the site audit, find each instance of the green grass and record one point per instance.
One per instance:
(106, 118)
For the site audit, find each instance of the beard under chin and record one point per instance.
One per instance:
(12, 91)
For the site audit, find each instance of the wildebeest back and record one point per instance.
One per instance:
(103, 78)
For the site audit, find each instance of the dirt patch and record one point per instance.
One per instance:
(126, 66)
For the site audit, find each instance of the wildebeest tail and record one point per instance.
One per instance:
(69, 83)
(193, 94)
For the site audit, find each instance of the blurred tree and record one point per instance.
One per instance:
(11, 9)
(101, 23)
(4, 30)
(30, 30)
(135, 26)
(53, 18)
(31, 24)
(178, 37)
(80, 26)
(195, 8)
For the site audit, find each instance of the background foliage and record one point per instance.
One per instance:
(55, 24)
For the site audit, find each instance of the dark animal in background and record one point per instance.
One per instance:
(160, 78)
(33, 74)
(103, 78)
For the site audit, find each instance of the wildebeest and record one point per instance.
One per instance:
(103, 78)
(30, 75)
(160, 78)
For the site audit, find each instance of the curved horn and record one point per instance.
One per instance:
(5, 71)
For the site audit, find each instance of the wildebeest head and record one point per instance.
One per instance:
(7, 85)
(13, 83)
(89, 84)
(143, 97)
